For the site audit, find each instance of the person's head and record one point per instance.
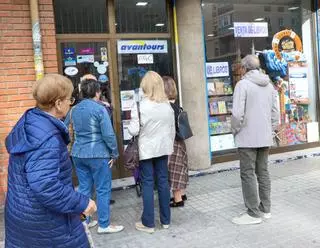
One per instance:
(53, 94)
(153, 87)
(90, 88)
(105, 92)
(170, 88)
(250, 62)
(88, 76)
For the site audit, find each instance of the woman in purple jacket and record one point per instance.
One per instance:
(42, 209)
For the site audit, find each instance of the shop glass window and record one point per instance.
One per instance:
(148, 16)
(284, 22)
(81, 58)
(81, 16)
(145, 55)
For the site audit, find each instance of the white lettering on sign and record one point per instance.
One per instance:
(145, 59)
(250, 29)
(142, 46)
(217, 69)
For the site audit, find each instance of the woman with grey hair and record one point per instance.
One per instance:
(255, 116)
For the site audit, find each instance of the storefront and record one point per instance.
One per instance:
(199, 43)
(283, 35)
(118, 42)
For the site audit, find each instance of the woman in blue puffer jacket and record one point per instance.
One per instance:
(42, 209)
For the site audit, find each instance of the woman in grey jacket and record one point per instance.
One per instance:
(156, 130)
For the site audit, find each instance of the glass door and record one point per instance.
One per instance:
(135, 58)
(80, 58)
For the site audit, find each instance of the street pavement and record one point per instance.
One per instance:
(213, 200)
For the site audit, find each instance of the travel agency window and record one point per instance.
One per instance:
(149, 48)
(281, 34)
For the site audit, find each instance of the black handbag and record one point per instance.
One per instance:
(131, 153)
(184, 130)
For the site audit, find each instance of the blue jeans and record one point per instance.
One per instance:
(96, 171)
(149, 168)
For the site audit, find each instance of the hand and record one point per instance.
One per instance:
(111, 162)
(91, 208)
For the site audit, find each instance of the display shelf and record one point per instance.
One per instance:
(212, 115)
(218, 134)
(220, 95)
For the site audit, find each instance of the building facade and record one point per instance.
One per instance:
(199, 43)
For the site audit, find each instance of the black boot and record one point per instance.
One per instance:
(177, 204)
(184, 198)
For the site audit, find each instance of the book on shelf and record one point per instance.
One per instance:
(219, 125)
(220, 105)
(221, 86)
(229, 106)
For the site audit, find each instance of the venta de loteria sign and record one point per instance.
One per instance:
(217, 69)
(142, 46)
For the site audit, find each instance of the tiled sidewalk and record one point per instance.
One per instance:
(214, 199)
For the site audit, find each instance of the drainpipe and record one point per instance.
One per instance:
(176, 39)
(36, 38)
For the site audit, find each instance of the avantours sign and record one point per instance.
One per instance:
(142, 46)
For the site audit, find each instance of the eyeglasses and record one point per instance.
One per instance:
(72, 100)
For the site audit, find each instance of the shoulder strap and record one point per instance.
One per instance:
(138, 109)
(71, 115)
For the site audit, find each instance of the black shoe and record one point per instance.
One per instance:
(112, 202)
(184, 198)
(177, 204)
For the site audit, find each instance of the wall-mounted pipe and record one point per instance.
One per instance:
(36, 38)
(176, 39)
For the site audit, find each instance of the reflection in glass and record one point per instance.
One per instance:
(81, 16)
(141, 16)
(280, 34)
(131, 71)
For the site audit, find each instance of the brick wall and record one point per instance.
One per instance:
(17, 68)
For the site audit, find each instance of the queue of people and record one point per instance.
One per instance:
(42, 207)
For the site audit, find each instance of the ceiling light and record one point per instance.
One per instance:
(210, 35)
(202, 4)
(141, 3)
(231, 28)
(159, 25)
(259, 19)
(293, 8)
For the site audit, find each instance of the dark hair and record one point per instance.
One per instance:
(89, 88)
(105, 92)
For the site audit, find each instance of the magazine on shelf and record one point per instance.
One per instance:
(219, 125)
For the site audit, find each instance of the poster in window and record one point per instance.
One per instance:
(298, 82)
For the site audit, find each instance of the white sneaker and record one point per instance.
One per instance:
(266, 215)
(110, 229)
(246, 219)
(143, 228)
(92, 223)
(165, 226)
